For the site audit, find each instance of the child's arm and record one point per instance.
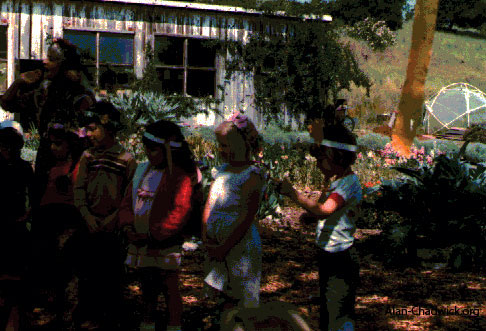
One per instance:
(205, 217)
(250, 199)
(173, 219)
(80, 194)
(331, 205)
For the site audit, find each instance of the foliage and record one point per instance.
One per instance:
(301, 69)
(464, 14)
(428, 200)
(352, 11)
(140, 108)
(374, 32)
(186, 106)
(373, 141)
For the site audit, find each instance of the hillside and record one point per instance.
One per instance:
(456, 58)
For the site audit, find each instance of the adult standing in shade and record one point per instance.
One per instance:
(53, 96)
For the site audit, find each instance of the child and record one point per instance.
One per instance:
(153, 213)
(104, 173)
(15, 194)
(336, 213)
(229, 231)
(56, 218)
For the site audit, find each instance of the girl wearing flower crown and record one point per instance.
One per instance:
(229, 230)
(153, 213)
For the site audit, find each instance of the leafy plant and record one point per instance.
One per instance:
(443, 203)
(376, 33)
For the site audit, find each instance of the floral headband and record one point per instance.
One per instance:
(239, 120)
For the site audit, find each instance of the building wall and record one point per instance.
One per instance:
(30, 23)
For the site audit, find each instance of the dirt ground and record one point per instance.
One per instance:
(387, 298)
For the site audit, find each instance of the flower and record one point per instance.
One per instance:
(284, 157)
(276, 161)
(360, 156)
(371, 154)
(260, 155)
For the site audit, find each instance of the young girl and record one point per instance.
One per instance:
(229, 231)
(336, 213)
(153, 213)
(15, 193)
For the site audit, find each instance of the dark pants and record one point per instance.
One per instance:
(52, 253)
(100, 270)
(338, 280)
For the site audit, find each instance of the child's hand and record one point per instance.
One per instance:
(284, 187)
(136, 238)
(92, 222)
(31, 77)
(217, 252)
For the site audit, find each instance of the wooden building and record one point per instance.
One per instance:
(114, 34)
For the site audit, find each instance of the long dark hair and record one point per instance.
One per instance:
(182, 157)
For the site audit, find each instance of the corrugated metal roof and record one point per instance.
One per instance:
(217, 8)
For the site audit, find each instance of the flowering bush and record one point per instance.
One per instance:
(376, 33)
(417, 158)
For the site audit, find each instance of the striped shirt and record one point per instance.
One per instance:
(103, 177)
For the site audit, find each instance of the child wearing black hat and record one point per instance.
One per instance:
(16, 177)
(104, 172)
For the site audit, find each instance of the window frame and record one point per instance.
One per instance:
(97, 64)
(185, 67)
(4, 87)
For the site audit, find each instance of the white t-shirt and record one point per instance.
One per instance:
(335, 233)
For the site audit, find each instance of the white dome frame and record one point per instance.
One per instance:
(468, 90)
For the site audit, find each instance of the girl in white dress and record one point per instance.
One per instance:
(234, 254)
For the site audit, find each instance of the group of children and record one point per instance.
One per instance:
(102, 196)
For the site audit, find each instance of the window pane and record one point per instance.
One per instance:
(201, 53)
(3, 42)
(86, 43)
(115, 48)
(169, 51)
(201, 83)
(172, 80)
(115, 77)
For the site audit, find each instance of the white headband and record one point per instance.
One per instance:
(160, 141)
(338, 145)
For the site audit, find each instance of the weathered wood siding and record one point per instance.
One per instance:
(30, 22)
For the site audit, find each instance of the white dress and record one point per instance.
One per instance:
(239, 275)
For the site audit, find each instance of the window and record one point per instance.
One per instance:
(186, 66)
(3, 58)
(107, 56)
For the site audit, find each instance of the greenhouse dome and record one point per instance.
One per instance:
(458, 105)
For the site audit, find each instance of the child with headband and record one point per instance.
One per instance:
(154, 211)
(231, 236)
(105, 170)
(335, 212)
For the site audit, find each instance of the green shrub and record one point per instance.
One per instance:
(373, 141)
(428, 200)
(376, 33)
(476, 153)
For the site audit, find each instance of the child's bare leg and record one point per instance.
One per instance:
(173, 297)
(13, 319)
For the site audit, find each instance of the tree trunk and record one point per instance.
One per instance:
(413, 94)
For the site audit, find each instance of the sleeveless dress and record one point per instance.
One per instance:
(239, 274)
